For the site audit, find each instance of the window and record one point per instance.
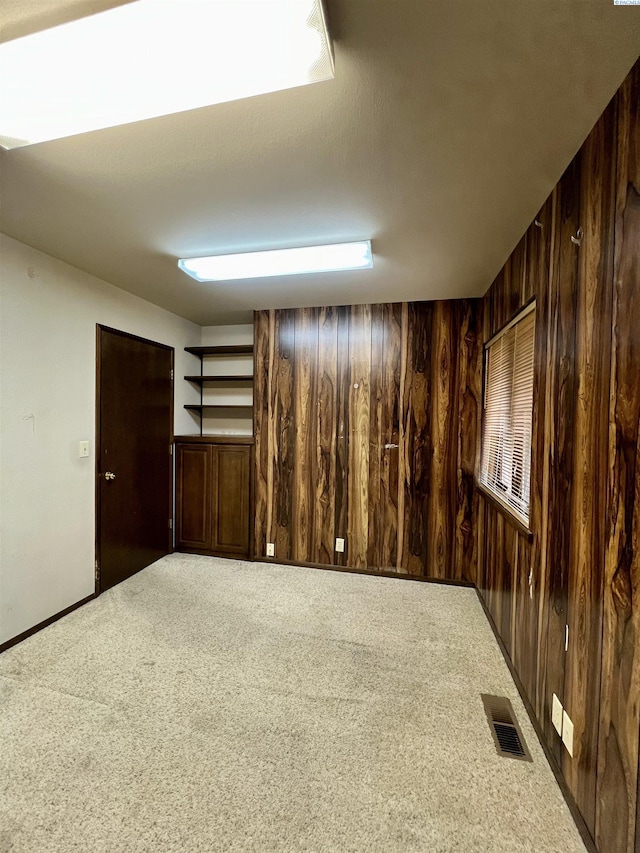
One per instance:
(505, 468)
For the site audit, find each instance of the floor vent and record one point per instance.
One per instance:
(504, 728)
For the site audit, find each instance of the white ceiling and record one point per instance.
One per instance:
(447, 125)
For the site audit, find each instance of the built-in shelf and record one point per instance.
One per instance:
(245, 377)
(215, 439)
(222, 412)
(238, 349)
(203, 406)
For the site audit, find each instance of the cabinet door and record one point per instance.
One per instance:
(230, 532)
(193, 496)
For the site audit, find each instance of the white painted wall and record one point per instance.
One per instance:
(48, 317)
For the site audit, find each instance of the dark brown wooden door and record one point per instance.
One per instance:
(230, 531)
(193, 495)
(134, 465)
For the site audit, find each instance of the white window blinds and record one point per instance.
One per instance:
(505, 467)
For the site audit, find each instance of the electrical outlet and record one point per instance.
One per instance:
(271, 549)
(83, 449)
(556, 714)
(340, 545)
(567, 733)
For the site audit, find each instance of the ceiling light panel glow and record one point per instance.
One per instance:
(309, 259)
(155, 57)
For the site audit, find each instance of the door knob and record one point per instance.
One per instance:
(109, 475)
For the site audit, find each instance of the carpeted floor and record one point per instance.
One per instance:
(210, 705)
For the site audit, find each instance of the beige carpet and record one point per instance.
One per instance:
(211, 705)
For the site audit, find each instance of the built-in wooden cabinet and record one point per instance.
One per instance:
(213, 492)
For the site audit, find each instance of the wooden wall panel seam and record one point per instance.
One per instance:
(617, 770)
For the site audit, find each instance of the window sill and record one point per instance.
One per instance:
(510, 517)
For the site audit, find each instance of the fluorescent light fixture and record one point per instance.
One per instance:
(339, 256)
(155, 57)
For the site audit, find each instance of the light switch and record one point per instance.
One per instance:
(83, 449)
(567, 733)
(556, 714)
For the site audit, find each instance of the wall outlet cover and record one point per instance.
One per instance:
(567, 733)
(340, 545)
(556, 714)
(271, 549)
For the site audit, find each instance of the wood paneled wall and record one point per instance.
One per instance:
(581, 565)
(366, 422)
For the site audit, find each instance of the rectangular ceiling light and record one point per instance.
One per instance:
(155, 57)
(339, 256)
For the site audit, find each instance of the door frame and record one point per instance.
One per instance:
(100, 328)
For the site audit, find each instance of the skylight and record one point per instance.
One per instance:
(331, 258)
(155, 57)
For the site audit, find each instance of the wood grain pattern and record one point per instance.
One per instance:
(588, 508)
(414, 418)
(389, 448)
(559, 414)
(283, 442)
(342, 431)
(327, 393)
(530, 667)
(581, 566)
(403, 462)
(304, 433)
(348, 430)
(617, 772)
(469, 408)
(376, 427)
(358, 453)
(444, 431)
(263, 355)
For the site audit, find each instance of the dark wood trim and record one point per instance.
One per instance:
(235, 349)
(133, 337)
(374, 573)
(44, 624)
(214, 439)
(515, 522)
(205, 552)
(252, 501)
(514, 316)
(199, 380)
(555, 767)
(96, 467)
(192, 407)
